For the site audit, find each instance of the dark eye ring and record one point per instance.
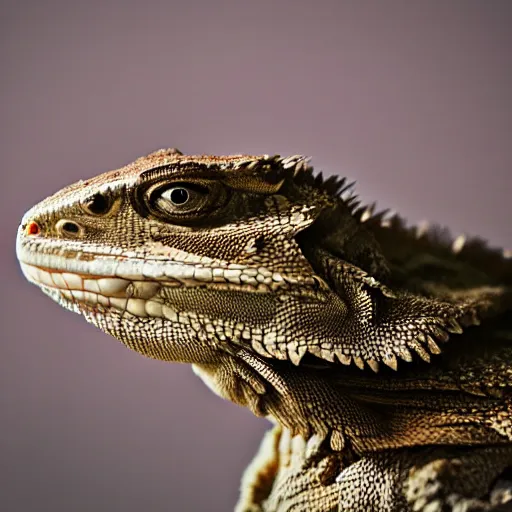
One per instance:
(98, 204)
(180, 202)
(180, 199)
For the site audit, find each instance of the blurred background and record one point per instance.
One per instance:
(411, 99)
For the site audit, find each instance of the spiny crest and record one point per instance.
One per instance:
(271, 169)
(438, 240)
(295, 168)
(274, 170)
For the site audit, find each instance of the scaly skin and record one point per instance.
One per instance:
(386, 349)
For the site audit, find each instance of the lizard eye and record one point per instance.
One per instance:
(98, 204)
(181, 200)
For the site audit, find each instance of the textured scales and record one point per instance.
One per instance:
(382, 352)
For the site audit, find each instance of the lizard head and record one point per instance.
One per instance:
(179, 256)
(176, 254)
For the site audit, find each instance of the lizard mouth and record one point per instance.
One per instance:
(181, 269)
(94, 281)
(133, 294)
(98, 278)
(97, 293)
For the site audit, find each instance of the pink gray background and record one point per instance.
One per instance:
(412, 99)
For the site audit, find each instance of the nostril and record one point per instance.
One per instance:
(68, 228)
(32, 228)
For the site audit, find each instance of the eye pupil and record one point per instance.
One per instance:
(179, 195)
(98, 204)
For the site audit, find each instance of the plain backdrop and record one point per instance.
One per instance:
(413, 99)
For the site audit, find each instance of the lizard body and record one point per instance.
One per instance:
(381, 352)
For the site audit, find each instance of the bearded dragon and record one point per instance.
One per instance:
(381, 352)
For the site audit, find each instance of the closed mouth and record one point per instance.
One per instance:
(98, 292)
(116, 274)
